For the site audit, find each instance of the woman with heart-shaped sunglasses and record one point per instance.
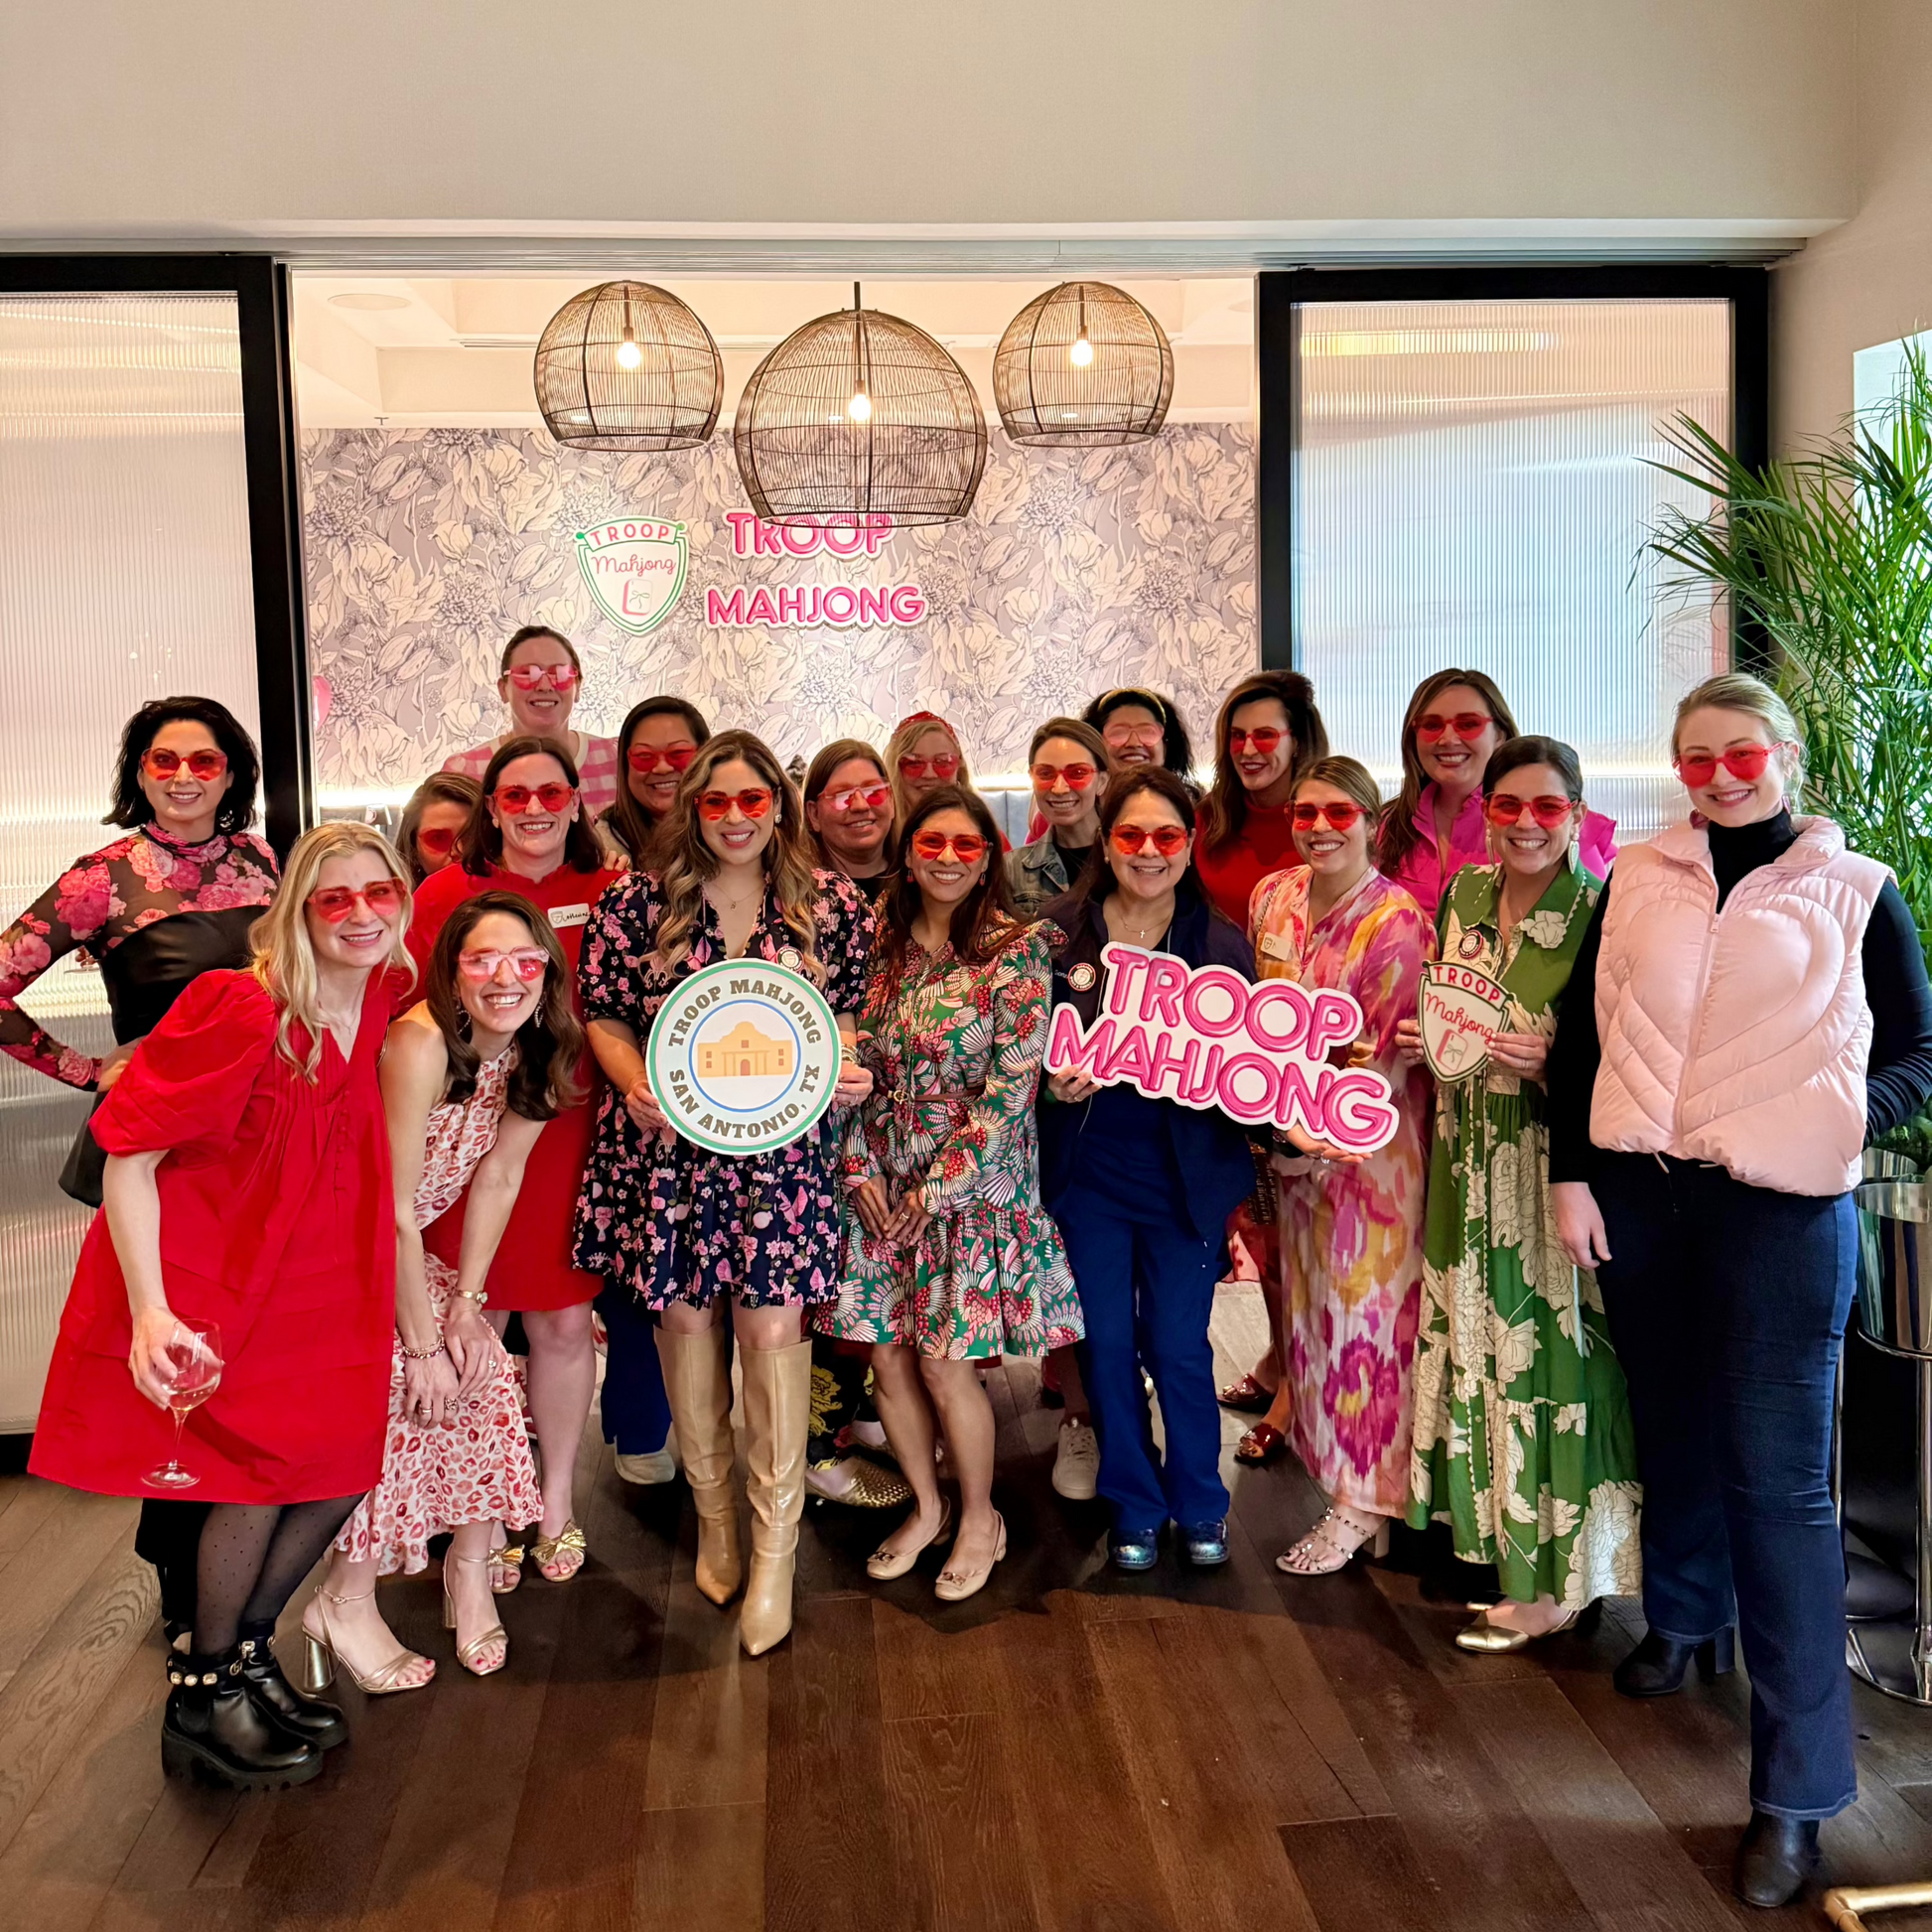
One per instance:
(1749, 1008)
(1522, 1432)
(539, 682)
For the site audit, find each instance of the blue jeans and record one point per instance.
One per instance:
(637, 1417)
(1146, 1289)
(1728, 1305)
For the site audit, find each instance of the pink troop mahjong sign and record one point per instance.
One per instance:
(1206, 1038)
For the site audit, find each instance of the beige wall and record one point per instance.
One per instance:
(1317, 122)
(1869, 281)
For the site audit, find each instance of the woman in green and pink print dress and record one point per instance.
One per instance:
(1523, 1440)
(950, 1258)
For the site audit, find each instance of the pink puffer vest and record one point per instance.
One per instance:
(1742, 1036)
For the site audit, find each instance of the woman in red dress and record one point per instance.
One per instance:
(533, 836)
(248, 1186)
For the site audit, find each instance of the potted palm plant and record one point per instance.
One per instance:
(1826, 561)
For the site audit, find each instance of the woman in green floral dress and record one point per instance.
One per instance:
(1523, 1440)
(951, 1260)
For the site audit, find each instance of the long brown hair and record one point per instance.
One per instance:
(283, 956)
(483, 836)
(685, 862)
(982, 923)
(629, 824)
(439, 788)
(1224, 810)
(1398, 836)
(549, 1044)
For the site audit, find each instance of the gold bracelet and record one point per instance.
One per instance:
(480, 1296)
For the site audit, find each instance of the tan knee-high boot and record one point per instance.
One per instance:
(777, 1413)
(698, 1385)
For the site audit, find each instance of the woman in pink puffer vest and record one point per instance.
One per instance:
(1760, 1008)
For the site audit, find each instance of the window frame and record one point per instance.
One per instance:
(1281, 293)
(259, 284)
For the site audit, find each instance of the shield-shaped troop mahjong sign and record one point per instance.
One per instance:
(1459, 1011)
(634, 566)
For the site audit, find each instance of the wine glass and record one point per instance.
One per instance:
(195, 1354)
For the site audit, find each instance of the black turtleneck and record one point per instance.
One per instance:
(1899, 1073)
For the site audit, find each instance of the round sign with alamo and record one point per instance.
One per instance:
(744, 1055)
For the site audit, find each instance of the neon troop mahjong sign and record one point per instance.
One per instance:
(635, 568)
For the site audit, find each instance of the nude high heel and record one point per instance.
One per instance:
(698, 1386)
(468, 1653)
(321, 1653)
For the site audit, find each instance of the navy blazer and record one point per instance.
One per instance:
(1210, 1150)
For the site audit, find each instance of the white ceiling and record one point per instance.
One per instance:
(457, 352)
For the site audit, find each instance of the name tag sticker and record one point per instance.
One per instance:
(1275, 945)
(563, 915)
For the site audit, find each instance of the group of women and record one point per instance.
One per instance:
(1584, 1307)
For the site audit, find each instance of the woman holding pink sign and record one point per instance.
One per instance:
(1523, 1441)
(1350, 1226)
(1142, 1186)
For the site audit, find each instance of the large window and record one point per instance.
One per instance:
(1472, 483)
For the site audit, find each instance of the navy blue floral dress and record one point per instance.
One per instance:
(676, 1222)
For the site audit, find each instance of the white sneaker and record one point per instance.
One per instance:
(1076, 1462)
(658, 1467)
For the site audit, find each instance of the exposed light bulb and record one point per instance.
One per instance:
(860, 407)
(1081, 354)
(628, 354)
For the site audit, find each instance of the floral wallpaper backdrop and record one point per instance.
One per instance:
(1077, 570)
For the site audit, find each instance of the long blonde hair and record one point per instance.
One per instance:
(284, 956)
(908, 734)
(685, 862)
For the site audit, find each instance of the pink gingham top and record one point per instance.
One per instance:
(597, 771)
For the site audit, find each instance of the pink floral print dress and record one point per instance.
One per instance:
(955, 1054)
(1351, 1234)
(102, 901)
(479, 1469)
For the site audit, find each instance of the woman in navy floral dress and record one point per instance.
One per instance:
(688, 1230)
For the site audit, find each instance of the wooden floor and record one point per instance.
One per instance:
(1073, 1749)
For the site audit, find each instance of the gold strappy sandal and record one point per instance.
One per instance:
(321, 1655)
(505, 1567)
(468, 1653)
(568, 1542)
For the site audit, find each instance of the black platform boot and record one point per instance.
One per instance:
(1774, 1858)
(309, 1719)
(1656, 1667)
(214, 1728)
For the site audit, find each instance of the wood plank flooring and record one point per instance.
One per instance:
(1072, 1751)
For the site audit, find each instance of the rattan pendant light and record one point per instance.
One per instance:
(629, 366)
(1083, 365)
(859, 413)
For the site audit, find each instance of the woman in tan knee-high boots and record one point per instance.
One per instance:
(688, 1229)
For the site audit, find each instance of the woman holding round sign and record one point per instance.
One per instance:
(951, 1261)
(719, 993)
(1759, 1010)
(1142, 1186)
(539, 682)
(1350, 1226)
(1522, 1437)
(533, 837)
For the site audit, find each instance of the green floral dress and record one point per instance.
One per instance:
(955, 1053)
(1523, 1440)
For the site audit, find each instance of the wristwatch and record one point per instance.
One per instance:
(480, 1296)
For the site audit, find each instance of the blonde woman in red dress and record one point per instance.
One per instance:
(248, 1186)
(469, 1076)
(533, 837)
